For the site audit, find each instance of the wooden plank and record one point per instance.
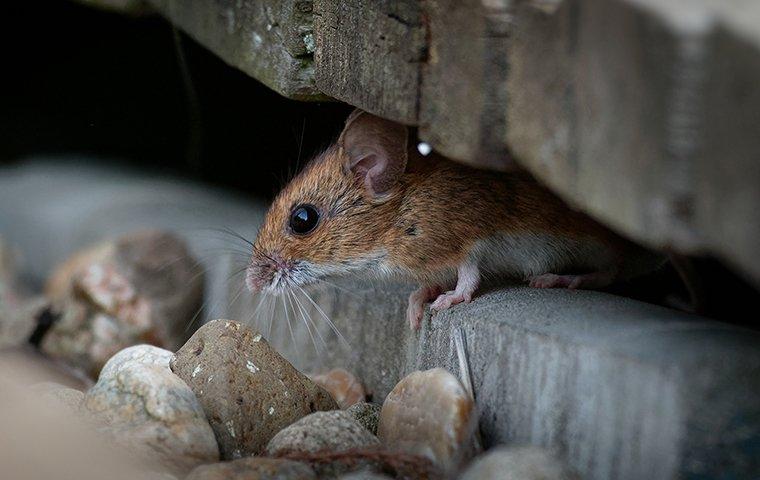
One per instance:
(463, 95)
(614, 105)
(369, 54)
(271, 41)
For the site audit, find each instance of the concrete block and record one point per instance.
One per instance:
(621, 389)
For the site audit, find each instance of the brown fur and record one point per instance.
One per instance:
(426, 224)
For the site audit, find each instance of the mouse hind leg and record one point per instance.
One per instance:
(586, 281)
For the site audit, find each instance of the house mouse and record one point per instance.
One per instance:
(370, 203)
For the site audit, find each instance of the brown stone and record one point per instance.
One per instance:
(140, 288)
(429, 414)
(248, 391)
(343, 385)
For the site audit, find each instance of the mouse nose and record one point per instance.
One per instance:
(262, 271)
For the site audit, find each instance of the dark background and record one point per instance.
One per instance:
(132, 90)
(87, 81)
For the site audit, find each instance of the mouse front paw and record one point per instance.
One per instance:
(452, 297)
(468, 279)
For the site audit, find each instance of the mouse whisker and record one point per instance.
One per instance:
(271, 308)
(290, 328)
(307, 320)
(342, 289)
(324, 315)
(289, 294)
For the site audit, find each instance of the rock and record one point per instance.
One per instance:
(69, 398)
(364, 475)
(140, 288)
(430, 414)
(334, 431)
(518, 463)
(148, 409)
(331, 441)
(366, 415)
(253, 468)
(344, 387)
(248, 391)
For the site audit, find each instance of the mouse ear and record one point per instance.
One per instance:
(374, 150)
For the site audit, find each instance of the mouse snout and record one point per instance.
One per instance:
(266, 272)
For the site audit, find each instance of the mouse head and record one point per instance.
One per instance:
(332, 217)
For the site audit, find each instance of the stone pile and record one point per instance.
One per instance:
(225, 404)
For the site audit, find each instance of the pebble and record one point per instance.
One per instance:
(248, 391)
(518, 463)
(344, 387)
(333, 431)
(321, 438)
(254, 468)
(366, 415)
(140, 288)
(429, 413)
(148, 409)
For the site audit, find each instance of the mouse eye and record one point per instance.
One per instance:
(303, 219)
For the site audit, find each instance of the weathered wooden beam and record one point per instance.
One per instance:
(271, 41)
(369, 54)
(644, 114)
(463, 95)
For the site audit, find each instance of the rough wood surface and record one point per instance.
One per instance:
(463, 97)
(272, 41)
(642, 114)
(369, 54)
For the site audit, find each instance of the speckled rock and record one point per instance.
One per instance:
(343, 385)
(429, 413)
(518, 463)
(253, 468)
(248, 391)
(148, 409)
(366, 415)
(335, 431)
(140, 288)
(69, 398)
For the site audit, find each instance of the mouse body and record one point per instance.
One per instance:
(370, 203)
